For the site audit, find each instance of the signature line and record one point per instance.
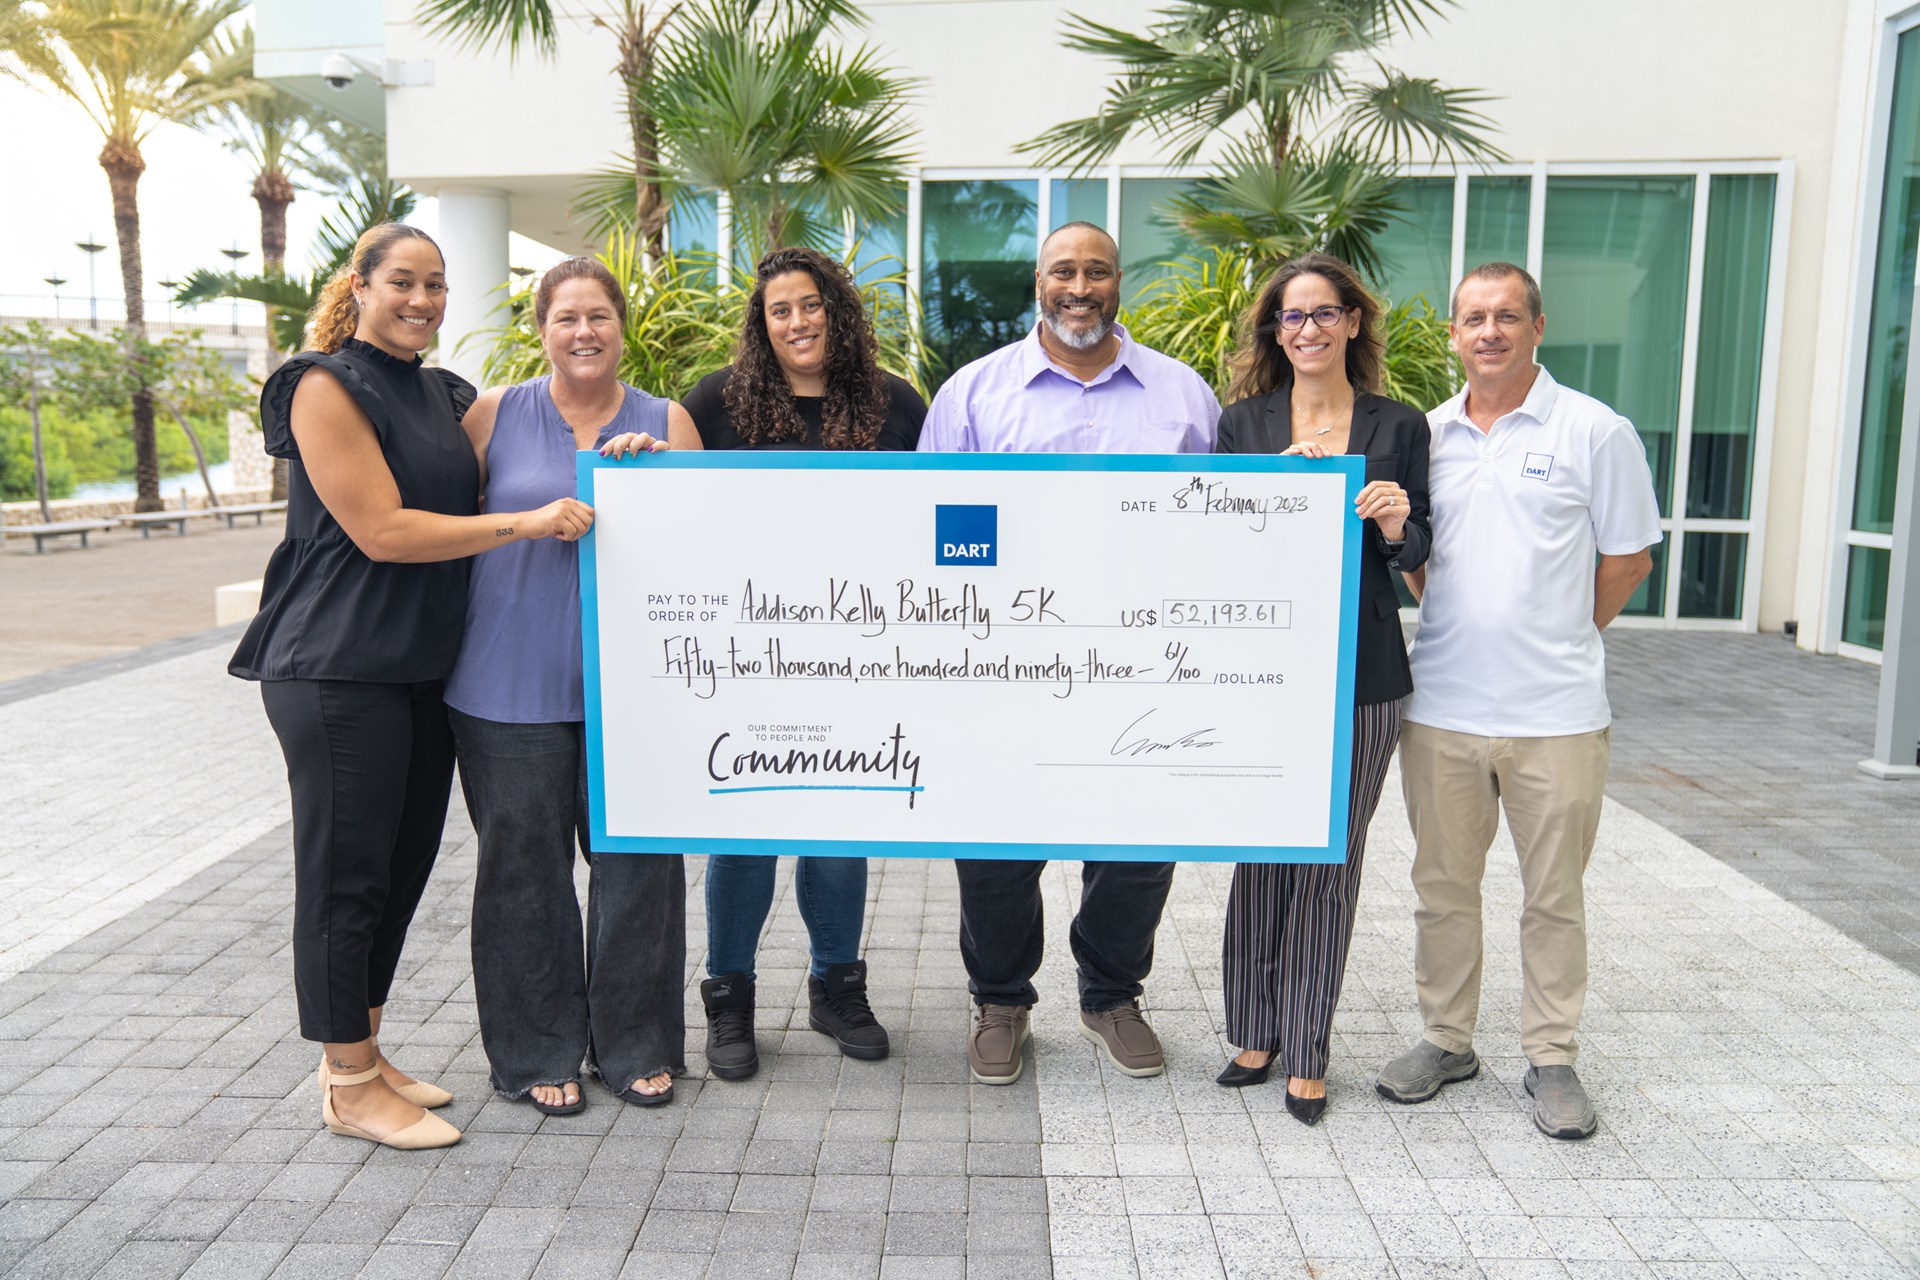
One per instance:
(729, 791)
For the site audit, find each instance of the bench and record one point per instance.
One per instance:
(60, 529)
(145, 521)
(258, 510)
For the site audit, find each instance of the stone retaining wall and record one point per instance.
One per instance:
(16, 513)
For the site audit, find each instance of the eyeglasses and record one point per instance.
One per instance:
(1322, 317)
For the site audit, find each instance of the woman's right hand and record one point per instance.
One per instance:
(567, 519)
(1306, 449)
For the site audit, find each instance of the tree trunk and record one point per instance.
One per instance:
(273, 192)
(124, 165)
(199, 454)
(39, 446)
(637, 45)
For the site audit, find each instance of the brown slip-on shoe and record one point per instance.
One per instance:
(994, 1048)
(1126, 1039)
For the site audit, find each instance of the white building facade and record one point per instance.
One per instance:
(1720, 198)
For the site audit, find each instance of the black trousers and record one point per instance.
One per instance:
(1289, 925)
(1003, 930)
(371, 769)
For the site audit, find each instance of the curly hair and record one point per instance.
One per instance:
(335, 315)
(760, 399)
(1261, 366)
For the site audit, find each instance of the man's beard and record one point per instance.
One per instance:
(1078, 339)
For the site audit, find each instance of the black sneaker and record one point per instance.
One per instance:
(731, 1053)
(839, 1009)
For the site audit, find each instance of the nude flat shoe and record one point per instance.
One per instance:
(426, 1133)
(418, 1092)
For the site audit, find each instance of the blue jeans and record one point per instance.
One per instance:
(544, 1001)
(833, 902)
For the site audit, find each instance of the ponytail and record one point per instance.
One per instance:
(335, 316)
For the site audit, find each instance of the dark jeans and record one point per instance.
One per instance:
(1002, 930)
(544, 1003)
(833, 902)
(370, 767)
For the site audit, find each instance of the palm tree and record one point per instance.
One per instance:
(131, 66)
(1323, 121)
(637, 32)
(802, 137)
(280, 136)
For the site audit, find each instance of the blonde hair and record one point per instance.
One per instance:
(336, 315)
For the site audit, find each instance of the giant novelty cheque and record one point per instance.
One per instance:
(971, 655)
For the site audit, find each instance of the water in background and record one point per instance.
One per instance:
(170, 486)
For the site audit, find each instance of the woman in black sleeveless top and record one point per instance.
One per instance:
(360, 619)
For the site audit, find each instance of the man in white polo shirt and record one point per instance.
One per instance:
(1543, 511)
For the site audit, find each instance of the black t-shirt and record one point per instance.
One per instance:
(706, 404)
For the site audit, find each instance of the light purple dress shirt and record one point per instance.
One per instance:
(1015, 400)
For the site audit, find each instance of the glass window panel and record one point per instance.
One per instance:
(1077, 200)
(1614, 277)
(1887, 337)
(976, 267)
(1497, 220)
(1713, 574)
(1733, 314)
(1416, 248)
(880, 246)
(1148, 237)
(1865, 620)
(1649, 599)
(693, 224)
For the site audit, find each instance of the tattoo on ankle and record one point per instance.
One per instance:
(341, 1064)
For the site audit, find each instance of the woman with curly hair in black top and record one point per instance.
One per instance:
(805, 375)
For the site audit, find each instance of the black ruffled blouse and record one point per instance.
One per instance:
(327, 612)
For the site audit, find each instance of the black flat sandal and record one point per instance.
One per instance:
(633, 1097)
(578, 1105)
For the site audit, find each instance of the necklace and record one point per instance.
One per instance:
(1318, 431)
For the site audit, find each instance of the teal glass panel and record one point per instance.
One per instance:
(693, 224)
(1713, 575)
(977, 250)
(1614, 281)
(1733, 317)
(1865, 620)
(1077, 200)
(880, 245)
(1416, 248)
(1497, 211)
(1888, 341)
(1649, 599)
(1149, 239)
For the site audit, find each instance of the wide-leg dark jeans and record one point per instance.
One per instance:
(545, 1001)
(370, 768)
(1003, 929)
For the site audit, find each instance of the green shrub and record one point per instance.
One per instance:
(1193, 314)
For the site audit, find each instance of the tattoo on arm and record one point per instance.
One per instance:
(504, 531)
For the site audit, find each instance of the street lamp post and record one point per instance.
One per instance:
(56, 282)
(172, 287)
(91, 248)
(234, 255)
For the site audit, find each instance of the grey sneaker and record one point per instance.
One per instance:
(1561, 1108)
(1126, 1040)
(993, 1050)
(1423, 1071)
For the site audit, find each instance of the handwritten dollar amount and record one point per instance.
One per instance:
(1227, 613)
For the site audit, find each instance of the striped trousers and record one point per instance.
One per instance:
(1289, 924)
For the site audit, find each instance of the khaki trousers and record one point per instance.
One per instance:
(1551, 789)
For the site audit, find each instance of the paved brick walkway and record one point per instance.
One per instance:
(1754, 1068)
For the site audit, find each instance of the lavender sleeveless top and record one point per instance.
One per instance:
(520, 659)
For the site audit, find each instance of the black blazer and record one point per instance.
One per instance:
(1393, 438)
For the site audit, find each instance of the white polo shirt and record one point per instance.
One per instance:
(1507, 647)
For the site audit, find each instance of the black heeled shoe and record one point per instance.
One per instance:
(1306, 1110)
(1235, 1076)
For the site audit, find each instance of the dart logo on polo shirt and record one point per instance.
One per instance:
(966, 535)
(1537, 466)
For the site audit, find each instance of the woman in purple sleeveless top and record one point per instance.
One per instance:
(518, 711)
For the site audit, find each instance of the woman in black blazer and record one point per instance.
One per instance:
(1306, 383)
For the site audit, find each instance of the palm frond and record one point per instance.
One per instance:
(481, 24)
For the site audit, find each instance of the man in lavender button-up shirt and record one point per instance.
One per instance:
(1077, 384)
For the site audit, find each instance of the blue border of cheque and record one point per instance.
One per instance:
(1353, 467)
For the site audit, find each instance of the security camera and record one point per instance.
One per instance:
(337, 70)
